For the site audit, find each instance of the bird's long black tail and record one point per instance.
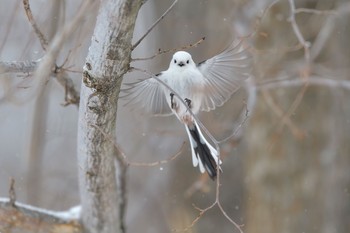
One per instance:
(203, 154)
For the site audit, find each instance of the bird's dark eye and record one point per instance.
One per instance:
(188, 61)
(175, 61)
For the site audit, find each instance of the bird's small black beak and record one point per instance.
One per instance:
(181, 64)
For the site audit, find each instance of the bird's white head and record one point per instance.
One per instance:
(181, 60)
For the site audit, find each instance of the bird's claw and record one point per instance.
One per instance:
(188, 102)
(172, 100)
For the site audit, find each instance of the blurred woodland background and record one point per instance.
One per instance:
(287, 168)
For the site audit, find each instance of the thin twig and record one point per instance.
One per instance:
(306, 70)
(246, 116)
(279, 112)
(40, 35)
(121, 157)
(295, 82)
(203, 211)
(259, 19)
(154, 24)
(239, 227)
(284, 49)
(199, 216)
(28, 67)
(71, 94)
(157, 163)
(170, 50)
(314, 11)
(294, 105)
(298, 34)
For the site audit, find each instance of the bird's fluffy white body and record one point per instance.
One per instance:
(200, 87)
(186, 82)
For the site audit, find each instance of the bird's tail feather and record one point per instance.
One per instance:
(203, 154)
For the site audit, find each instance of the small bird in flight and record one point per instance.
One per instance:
(202, 87)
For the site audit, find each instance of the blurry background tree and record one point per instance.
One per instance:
(286, 171)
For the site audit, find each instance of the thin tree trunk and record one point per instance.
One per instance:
(299, 184)
(107, 61)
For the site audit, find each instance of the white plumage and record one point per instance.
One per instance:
(202, 87)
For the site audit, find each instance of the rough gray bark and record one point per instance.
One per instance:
(107, 61)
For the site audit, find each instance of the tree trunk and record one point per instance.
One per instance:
(299, 184)
(106, 63)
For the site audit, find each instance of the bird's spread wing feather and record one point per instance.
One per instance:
(223, 74)
(147, 95)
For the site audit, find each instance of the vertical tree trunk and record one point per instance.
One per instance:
(299, 184)
(107, 61)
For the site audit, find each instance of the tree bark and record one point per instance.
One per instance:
(106, 63)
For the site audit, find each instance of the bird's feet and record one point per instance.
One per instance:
(172, 102)
(188, 102)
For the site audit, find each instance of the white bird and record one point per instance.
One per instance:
(202, 87)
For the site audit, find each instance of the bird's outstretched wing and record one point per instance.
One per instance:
(223, 74)
(146, 95)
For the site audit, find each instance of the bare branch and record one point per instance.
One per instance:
(260, 17)
(18, 66)
(314, 11)
(235, 131)
(295, 82)
(71, 95)
(121, 157)
(239, 227)
(279, 112)
(203, 211)
(48, 60)
(199, 216)
(25, 218)
(300, 37)
(157, 163)
(40, 35)
(294, 106)
(154, 24)
(47, 64)
(170, 50)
